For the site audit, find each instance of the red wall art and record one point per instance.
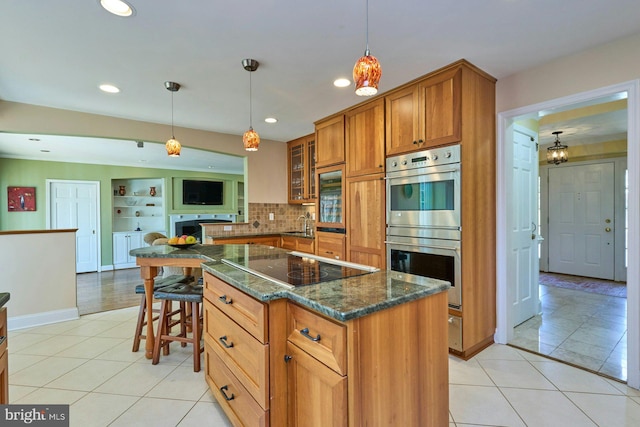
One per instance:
(21, 199)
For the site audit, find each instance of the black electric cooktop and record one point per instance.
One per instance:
(298, 269)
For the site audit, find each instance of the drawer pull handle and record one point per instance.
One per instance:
(223, 340)
(2, 339)
(224, 299)
(222, 390)
(305, 333)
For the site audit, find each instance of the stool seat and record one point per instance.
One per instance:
(166, 281)
(180, 292)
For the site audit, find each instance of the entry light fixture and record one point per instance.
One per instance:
(557, 153)
(173, 145)
(118, 7)
(367, 71)
(250, 138)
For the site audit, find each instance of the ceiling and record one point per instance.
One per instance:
(56, 54)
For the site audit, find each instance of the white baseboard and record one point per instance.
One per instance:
(39, 319)
(107, 267)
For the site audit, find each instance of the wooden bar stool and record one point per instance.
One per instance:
(188, 296)
(142, 313)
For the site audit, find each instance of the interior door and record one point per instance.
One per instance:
(581, 221)
(74, 204)
(524, 236)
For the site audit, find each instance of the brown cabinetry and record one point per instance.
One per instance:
(4, 358)
(330, 141)
(426, 114)
(365, 139)
(366, 220)
(301, 165)
(300, 244)
(330, 245)
(243, 240)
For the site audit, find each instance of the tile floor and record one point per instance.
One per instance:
(582, 328)
(88, 364)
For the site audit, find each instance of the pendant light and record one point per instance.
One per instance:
(250, 138)
(558, 153)
(367, 71)
(173, 145)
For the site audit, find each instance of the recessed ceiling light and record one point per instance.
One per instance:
(109, 88)
(45, 151)
(34, 139)
(271, 120)
(342, 82)
(117, 7)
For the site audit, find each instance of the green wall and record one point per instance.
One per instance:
(31, 173)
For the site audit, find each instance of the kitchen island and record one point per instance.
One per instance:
(366, 350)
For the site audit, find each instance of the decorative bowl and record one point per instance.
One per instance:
(130, 202)
(181, 246)
(139, 193)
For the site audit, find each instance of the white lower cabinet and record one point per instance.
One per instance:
(123, 242)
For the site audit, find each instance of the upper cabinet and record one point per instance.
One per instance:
(330, 141)
(426, 114)
(365, 139)
(302, 166)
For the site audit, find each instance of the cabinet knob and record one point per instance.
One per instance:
(287, 358)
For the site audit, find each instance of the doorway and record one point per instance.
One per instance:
(505, 291)
(76, 204)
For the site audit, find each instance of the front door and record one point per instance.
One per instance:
(74, 204)
(524, 231)
(581, 221)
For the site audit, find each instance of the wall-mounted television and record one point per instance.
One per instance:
(202, 192)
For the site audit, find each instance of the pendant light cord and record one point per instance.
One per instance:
(250, 104)
(172, 135)
(367, 27)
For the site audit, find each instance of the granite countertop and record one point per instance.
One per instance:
(342, 299)
(272, 233)
(4, 298)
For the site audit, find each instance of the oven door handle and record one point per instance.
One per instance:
(423, 172)
(446, 248)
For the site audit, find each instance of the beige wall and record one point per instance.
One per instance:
(595, 68)
(39, 271)
(267, 167)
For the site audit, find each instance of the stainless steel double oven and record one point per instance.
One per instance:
(423, 219)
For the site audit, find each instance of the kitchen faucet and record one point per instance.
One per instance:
(305, 230)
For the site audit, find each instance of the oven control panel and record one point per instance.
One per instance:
(421, 159)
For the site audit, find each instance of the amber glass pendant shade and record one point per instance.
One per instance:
(366, 75)
(251, 140)
(173, 147)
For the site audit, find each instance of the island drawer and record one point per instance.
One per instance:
(321, 338)
(234, 399)
(246, 357)
(246, 311)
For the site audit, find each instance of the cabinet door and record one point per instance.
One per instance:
(135, 241)
(366, 220)
(317, 395)
(296, 166)
(329, 206)
(330, 141)
(330, 245)
(365, 139)
(441, 109)
(402, 120)
(120, 248)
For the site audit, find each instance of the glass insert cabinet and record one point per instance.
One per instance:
(330, 197)
(302, 155)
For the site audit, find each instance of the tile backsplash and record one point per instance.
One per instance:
(286, 217)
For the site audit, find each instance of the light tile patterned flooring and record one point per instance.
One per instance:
(582, 328)
(88, 364)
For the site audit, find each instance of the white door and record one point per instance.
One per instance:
(581, 221)
(74, 204)
(524, 229)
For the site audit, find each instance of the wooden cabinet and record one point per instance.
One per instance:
(330, 203)
(123, 242)
(426, 114)
(273, 240)
(4, 358)
(330, 141)
(365, 139)
(330, 245)
(366, 220)
(301, 167)
(300, 244)
(134, 205)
